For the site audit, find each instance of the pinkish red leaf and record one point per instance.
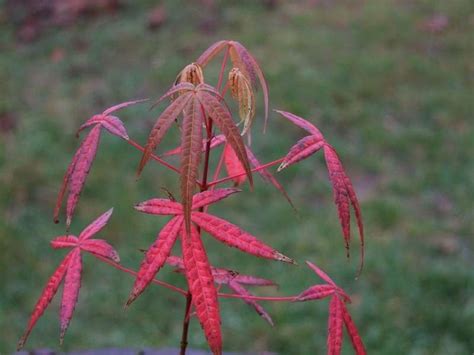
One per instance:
(191, 156)
(211, 52)
(233, 236)
(83, 163)
(64, 241)
(161, 127)
(72, 284)
(321, 273)
(115, 126)
(334, 341)
(156, 256)
(223, 119)
(301, 150)
(159, 206)
(209, 197)
(96, 226)
(100, 247)
(240, 290)
(343, 195)
(121, 106)
(253, 281)
(316, 292)
(301, 122)
(201, 286)
(46, 296)
(356, 340)
(233, 165)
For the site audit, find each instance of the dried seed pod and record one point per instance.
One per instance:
(242, 92)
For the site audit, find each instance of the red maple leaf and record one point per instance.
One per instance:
(200, 105)
(338, 313)
(70, 270)
(81, 163)
(344, 194)
(197, 268)
(235, 282)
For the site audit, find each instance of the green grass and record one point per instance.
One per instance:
(395, 101)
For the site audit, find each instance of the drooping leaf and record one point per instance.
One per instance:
(72, 284)
(356, 340)
(211, 52)
(334, 341)
(233, 236)
(223, 119)
(156, 256)
(235, 281)
(46, 296)
(161, 127)
(190, 156)
(201, 286)
(240, 290)
(344, 194)
(79, 172)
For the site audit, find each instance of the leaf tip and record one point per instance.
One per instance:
(280, 257)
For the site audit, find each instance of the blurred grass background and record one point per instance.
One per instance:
(390, 84)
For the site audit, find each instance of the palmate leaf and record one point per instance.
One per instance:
(344, 193)
(222, 230)
(70, 269)
(201, 285)
(242, 59)
(338, 313)
(81, 163)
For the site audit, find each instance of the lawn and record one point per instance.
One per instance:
(390, 84)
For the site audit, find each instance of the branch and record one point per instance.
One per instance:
(131, 272)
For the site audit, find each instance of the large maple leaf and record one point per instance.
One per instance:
(197, 103)
(338, 313)
(220, 229)
(81, 163)
(235, 281)
(344, 194)
(70, 270)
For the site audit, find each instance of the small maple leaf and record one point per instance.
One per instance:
(344, 194)
(220, 229)
(338, 313)
(241, 59)
(70, 270)
(235, 282)
(197, 103)
(81, 163)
